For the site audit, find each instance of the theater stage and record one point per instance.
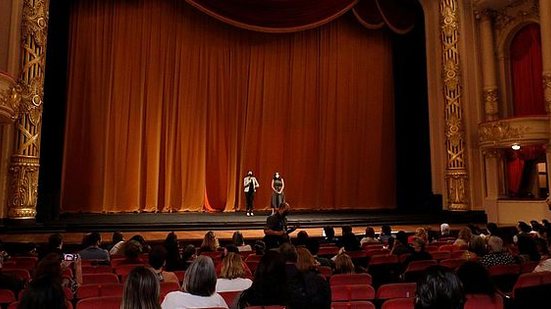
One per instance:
(230, 221)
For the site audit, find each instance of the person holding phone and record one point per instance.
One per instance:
(250, 184)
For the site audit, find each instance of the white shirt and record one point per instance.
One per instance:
(231, 285)
(544, 265)
(116, 248)
(247, 180)
(183, 300)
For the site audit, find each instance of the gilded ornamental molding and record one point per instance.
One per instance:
(10, 98)
(456, 171)
(547, 90)
(490, 98)
(506, 132)
(24, 164)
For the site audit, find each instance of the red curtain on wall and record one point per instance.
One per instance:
(168, 108)
(526, 72)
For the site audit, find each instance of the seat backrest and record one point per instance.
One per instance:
(348, 279)
(124, 270)
(107, 302)
(229, 297)
(452, 263)
(6, 296)
(167, 287)
(399, 303)
(352, 292)
(420, 265)
(19, 273)
(440, 255)
(508, 269)
(383, 259)
(100, 278)
(94, 269)
(396, 290)
(477, 301)
(328, 251)
(447, 247)
(353, 305)
(381, 251)
(528, 267)
(111, 289)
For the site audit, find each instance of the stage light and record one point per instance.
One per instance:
(515, 147)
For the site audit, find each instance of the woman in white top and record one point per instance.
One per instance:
(232, 275)
(198, 288)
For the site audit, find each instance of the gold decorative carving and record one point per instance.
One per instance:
(500, 130)
(10, 99)
(456, 171)
(515, 12)
(23, 187)
(547, 90)
(24, 163)
(490, 103)
(457, 181)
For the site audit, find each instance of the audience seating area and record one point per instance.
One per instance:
(384, 281)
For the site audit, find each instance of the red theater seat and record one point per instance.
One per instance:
(399, 303)
(352, 292)
(229, 297)
(479, 301)
(108, 302)
(6, 296)
(396, 290)
(100, 278)
(348, 279)
(353, 305)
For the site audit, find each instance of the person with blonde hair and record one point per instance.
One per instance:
(232, 275)
(210, 243)
(305, 260)
(198, 289)
(141, 290)
(344, 264)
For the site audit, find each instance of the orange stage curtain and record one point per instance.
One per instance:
(167, 108)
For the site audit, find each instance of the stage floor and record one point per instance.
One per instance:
(193, 224)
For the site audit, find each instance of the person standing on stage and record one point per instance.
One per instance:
(278, 197)
(250, 184)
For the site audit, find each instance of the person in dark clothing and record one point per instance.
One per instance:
(308, 289)
(439, 288)
(173, 258)
(348, 240)
(269, 284)
(476, 279)
(419, 253)
(276, 231)
(313, 246)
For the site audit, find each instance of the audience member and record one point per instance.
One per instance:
(544, 265)
(308, 289)
(464, 237)
(157, 261)
(344, 264)
(401, 245)
(92, 250)
(132, 250)
(210, 243)
(445, 232)
(475, 278)
(369, 237)
(302, 238)
(348, 240)
(328, 235)
(188, 255)
(313, 246)
(439, 288)
(232, 274)
(419, 253)
(386, 233)
(239, 242)
(477, 247)
(141, 290)
(117, 242)
(145, 246)
(496, 254)
(199, 288)
(55, 245)
(259, 247)
(44, 292)
(269, 284)
(527, 247)
(173, 259)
